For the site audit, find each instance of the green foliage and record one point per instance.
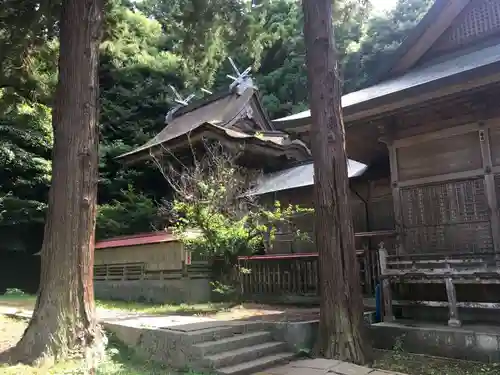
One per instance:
(149, 45)
(212, 215)
(25, 144)
(384, 33)
(14, 292)
(132, 214)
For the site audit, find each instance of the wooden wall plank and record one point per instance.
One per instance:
(434, 135)
(494, 136)
(489, 180)
(163, 256)
(458, 153)
(443, 178)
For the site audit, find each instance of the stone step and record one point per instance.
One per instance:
(246, 354)
(259, 364)
(225, 331)
(231, 343)
(210, 334)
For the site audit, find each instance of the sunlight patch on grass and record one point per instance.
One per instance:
(165, 309)
(414, 364)
(25, 301)
(20, 301)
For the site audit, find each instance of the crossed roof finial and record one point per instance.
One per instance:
(181, 102)
(240, 76)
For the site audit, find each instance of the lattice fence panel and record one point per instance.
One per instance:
(446, 217)
(382, 213)
(451, 239)
(481, 19)
(445, 203)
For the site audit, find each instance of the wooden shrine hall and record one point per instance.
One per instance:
(424, 144)
(435, 113)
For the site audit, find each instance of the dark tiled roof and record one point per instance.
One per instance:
(298, 176)
(416, 78)
(218, 112)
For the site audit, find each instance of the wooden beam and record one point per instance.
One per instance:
(396, 196)
(388, 314)
(442, 178)
(437, 261)
(405, 100)
(466, 305)
(440, 134)
(466, 281)
(433, 32)
(443, 273)
(451, 293)
(459, 254)
(490, 189)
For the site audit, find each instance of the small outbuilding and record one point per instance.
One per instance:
(151, 267)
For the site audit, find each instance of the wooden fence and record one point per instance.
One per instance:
(295, 277)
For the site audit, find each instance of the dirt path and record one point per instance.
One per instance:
(11, 331)
(247, 311)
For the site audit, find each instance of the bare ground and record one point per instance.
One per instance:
(11, 331)
(218, 311)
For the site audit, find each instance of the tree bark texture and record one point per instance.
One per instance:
(341, 331)
(64, 320)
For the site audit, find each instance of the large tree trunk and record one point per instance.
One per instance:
(64, 320)
(341, 330)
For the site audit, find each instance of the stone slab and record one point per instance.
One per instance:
(317, 363)
(196, 326)
(172, 322)
(320, 366)
(345, 368)
(285, 370)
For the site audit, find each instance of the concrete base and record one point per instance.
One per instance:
(469, 342)
(297, 335)
(441, 314)
(183, 290)
(302, 335)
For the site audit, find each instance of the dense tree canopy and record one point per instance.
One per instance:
(149, 45)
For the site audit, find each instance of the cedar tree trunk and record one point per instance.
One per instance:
(341, 330)
(64, 320)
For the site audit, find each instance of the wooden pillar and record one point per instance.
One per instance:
(388, 314)
(396, 197)
(388, 138)
(451, 293)
(489, 185)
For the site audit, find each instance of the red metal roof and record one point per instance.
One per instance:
(137, 239)
(278, 256)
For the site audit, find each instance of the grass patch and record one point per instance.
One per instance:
(26, 301)
(414, 364)
(164, 309)
(120, 360)
(21, 301)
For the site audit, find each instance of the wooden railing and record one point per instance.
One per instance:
(123, 271)
(295, 277)
(138, 271)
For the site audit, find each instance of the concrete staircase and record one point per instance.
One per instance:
(239, 349)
